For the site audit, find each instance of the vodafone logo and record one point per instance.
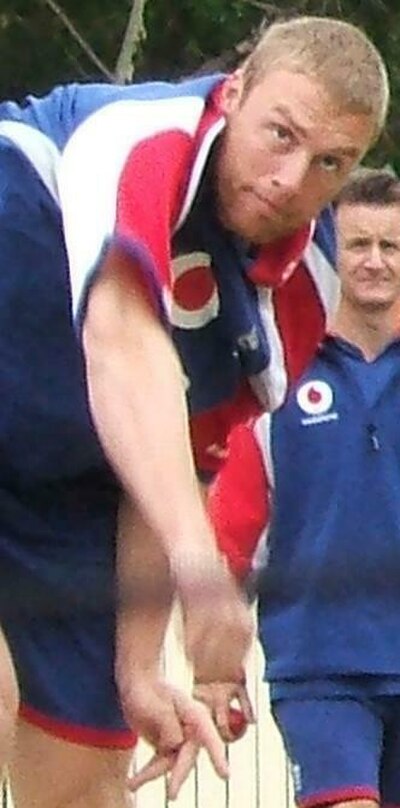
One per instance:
(193, 301)
(315, 397)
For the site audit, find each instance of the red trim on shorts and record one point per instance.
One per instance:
(325, 798)
(74, 733)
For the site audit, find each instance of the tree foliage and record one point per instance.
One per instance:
(39, 50)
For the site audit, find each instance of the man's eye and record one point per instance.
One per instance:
(281, 133)
(389, 246)
(330, 163)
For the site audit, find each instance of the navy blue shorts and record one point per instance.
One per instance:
(64, 650)
(342, 749)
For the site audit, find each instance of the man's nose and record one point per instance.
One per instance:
(291, 173)
(374, 258)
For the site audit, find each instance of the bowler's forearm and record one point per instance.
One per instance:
(138, 404)
(146, 595)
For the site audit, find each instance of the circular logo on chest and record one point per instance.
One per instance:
(193, 300)
(315, 397)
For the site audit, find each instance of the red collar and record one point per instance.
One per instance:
(276, 262)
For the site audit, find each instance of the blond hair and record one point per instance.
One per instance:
(335, 52)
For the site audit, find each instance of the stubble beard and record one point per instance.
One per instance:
(259, 232)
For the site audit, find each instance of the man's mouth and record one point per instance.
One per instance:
(266, 203)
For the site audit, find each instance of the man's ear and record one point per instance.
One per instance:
(232, 92)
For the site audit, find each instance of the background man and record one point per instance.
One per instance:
(311, 492)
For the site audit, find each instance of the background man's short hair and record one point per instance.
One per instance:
(370, 186)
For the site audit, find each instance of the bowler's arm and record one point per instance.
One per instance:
(137, 398)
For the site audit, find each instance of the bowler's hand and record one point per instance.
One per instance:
(177, 727)
(220, 698)
(218, 625)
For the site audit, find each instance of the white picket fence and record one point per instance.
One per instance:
(259, 772)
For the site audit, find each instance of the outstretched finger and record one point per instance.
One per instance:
(156, 767)
(203, 730)
(182, 767)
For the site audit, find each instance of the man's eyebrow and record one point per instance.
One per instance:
(285, 112)
(358, 237)
(345, 151)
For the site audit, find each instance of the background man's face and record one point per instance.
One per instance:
(286, 151)
(369, 254)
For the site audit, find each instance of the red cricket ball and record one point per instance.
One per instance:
(237, 723)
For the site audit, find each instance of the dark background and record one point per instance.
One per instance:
(37, 49)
